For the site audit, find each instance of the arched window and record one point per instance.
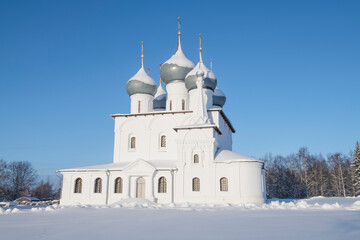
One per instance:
(224, 184)
(163, 141)
(183, 104)
(139, 106)
(132, 142)
(78, 185)
(162, 185)
(196, 184)
(196, 158)
(98, 185)
(118, 185)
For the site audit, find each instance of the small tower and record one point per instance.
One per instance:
(160, 97)
(208, 86)
(219, 97)
(173, 73)
(141, 89)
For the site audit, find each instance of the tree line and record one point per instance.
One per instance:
(304, 175)
(19, 178)
(298, 175)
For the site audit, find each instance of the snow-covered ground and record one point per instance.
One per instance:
(315, 218)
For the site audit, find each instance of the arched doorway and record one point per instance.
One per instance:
(140, 187)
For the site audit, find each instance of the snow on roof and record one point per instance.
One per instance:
(28, 198)
(175, 112)
(199, 126)
(218, 92)
(180, 59)
(142, 76)
(212, 75)
(200, 66)
(158, 164)
(229, 156)
(160, 92)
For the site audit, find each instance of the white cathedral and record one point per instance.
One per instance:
(174, 147)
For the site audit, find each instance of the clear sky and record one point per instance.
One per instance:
(290, 71)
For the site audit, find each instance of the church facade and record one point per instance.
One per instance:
(174, 146)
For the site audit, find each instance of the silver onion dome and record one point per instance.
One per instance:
(210, 80)
(160, 99)
(177, 67)
(219, 98)
(141, 82)
(209, 77)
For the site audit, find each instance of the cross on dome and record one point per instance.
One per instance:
(178, 66)
(200, 49)
(142, 54)
(160, 75)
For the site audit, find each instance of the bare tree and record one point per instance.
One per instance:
(341, 174)
(44, 190)
(355, 167)
(305, 175)
(22, 177)
(4, 175)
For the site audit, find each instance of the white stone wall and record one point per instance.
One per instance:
(246, 180)
(87, 195)
(148, 129)
(245, 184)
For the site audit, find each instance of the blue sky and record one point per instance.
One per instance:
(290, 71)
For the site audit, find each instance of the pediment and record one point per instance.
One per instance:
(139, 165)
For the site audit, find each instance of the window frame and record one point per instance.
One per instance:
(162, 185)
(196, 184)
(183, 104)
(196, 158)
(131, 137)
(139, 107)
(78, 185)
(224, 184)
(118, 186)
(98, 185)
(163, 141)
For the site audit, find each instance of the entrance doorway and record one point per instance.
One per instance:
(140, 187)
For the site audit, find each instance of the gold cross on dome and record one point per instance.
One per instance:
(142, 53)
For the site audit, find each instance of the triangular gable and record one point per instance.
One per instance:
(139, 165)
